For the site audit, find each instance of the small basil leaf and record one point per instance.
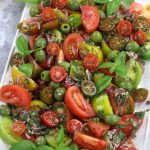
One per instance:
(113, 6)
(26, 69)
(61, 146)
(44, 147)
(121, 71)
(106, 65)
(60, 136)
(30, 1)
(121, 58)
(101, 1)
(127, 3)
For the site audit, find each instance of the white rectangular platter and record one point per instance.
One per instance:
(142, 141)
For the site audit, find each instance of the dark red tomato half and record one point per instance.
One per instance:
(50, 119)
(74, 125)
(48, 14)
(59, 3)
(90, 17)
(58, 73)
(15, 95)
(97, 129)
(32, 39)
(26, 136)
(124, 27)
(48, 62)
(70, 46)
(107, 71)
(53, 49)
(140, 37)
(91, 62)
(19, 127)
(77, 104)
(89, 142)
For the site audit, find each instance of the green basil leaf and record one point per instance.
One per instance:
(121, 71)
(106, 65)
(101, 1)
(121, 58)
(113, 6)
(127, 3)
(26, 69)
(30, 1)
(61, 146)
(60, 136)
(44, 147)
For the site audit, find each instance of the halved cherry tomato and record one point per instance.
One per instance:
(32, 39)
(74, 125)
(97, 129)
(140, 37)
(59, 3)
(50, 119)
(70, 46)
(90, 17)
(124, 27)
(26, 136)
(48, 14)
(77, 104)
(15, 95)
(91, 62)
(19, 127)
(58, 73)
(48, 62)
(136, 8)
(53, 49)
(107, 71)
(89, 142)
(128, 145)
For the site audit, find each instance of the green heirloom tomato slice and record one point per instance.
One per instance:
(6, 133)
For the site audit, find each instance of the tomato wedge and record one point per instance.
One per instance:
(53, 49)
(140, 37)
(70, 46)
(15, 95)
(89, 142)
(77, 104)
(90, 17)
(59, 3)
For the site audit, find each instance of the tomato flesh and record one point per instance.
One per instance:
(32, 39)
(90, 17)
(140, 37)
(77, 104)
(136, 8)
(53, 49)
(59, 3)
(107, 71)
(89, 142)
(15, 95)
(70, 46)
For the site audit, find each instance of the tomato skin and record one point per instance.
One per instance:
(107, 71)
(53, 49)
(124, 27)
(32, 39)
(97, 129)
(90, 17)
(58, 74)
(25, 136)
(48, 14)
(73, 126)
(15, 95)
(91, 62)
(136, 8)
(59, 3)
(89, 142)
(77, 104)
(70, 46)
(50, 119)
(19, 127)
(140, 37)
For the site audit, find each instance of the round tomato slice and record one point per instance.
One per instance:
(48, 14)
(124, 27)
(89, 142)
(59, 3)
(90, 17)
(91, 62)
(77, 104)
(140, 37)
(70, 46)
(53, 49)
(57, 74)
(19, 127)
(74, 125)
(15, 95)
(50, 118)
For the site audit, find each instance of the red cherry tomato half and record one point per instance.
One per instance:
(50, 119)
(90, 17)
(19, 127)
(77, 104)
(89, 142)
(124, 27)
(74, 125)
(15, 95)
(140, 37)
(48, 14)
(53, 49)
(107, 71)
(91, 62)
(48, 62)
(26, 136)
(59, 3)
(58, 74)
(70, 46)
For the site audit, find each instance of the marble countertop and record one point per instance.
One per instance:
(10, 13)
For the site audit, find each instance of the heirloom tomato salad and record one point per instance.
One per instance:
(75, 76)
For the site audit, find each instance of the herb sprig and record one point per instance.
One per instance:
(29, 1)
